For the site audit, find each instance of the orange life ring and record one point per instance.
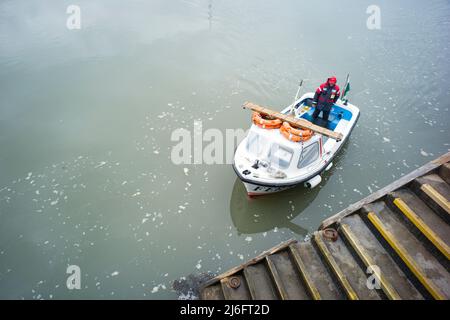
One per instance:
(295, 135)
(261, 122)
(297, 132)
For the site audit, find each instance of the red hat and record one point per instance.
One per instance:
(332, 79)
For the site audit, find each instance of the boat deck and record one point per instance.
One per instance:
(394, 244)
(337, 114)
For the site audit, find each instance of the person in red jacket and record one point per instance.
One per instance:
(326, 95)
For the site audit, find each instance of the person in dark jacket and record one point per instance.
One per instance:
(326, 95)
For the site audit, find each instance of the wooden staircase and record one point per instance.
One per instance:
(394, 245)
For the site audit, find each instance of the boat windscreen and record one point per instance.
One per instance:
(280, 156)
(257, 144)
(309, 155)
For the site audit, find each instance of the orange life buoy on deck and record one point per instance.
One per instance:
(295, 135)
(261, 122)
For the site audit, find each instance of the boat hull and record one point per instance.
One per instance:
(258, 190)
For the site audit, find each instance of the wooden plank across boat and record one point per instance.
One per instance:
(301, 123)
(394, 244)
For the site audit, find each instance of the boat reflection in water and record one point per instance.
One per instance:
(260, 214)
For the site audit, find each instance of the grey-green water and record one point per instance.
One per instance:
(86, 116)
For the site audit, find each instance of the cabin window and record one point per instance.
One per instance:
(256, 144)
(280, 156)
(309, 155)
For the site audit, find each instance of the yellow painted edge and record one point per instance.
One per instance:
(388, 289)
(351, 294)
(436, 196)
(309, 283)
(423, 227)
(407, 259)
(276, 277)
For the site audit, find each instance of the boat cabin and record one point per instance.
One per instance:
(271, 150)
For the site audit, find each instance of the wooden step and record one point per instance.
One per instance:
(260, 282)
(424, 219)
(444, 172)
(435, 192)
(286, 277)
(346, 269)
(412, 252)
(314, 273)
(213, 292)
(273, 272)
(394, 282)
(242, 292)
(334, 267)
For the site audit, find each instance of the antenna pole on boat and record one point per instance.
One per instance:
(296, 96)
(344, 92)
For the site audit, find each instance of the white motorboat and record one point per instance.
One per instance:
(271, 158)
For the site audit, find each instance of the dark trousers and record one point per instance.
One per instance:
(326, 112)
